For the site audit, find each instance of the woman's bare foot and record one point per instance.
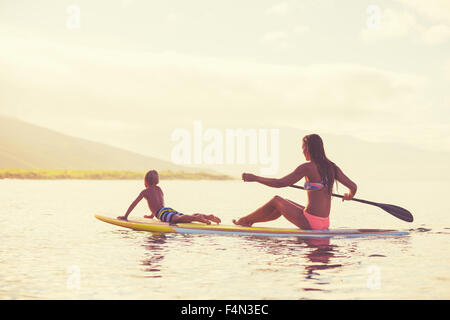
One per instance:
(242, 222)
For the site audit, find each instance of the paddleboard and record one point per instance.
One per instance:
(153, 225)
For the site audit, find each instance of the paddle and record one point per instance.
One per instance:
(396, 211)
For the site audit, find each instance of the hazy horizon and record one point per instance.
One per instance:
(135, 71)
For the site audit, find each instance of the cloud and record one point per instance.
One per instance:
(274, 37)
(435, 10)
(301, 29)
(278, 40)
(279, 9)
(126, 3)
(434, 35)
(114, 91)
(281, 40)
(446, 70)
(172, 81)
(394, 24)
(174, 17)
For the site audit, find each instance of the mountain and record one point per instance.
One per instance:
(385, 161)
(360, 159)
(25, 145)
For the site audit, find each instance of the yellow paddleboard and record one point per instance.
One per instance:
(153, 225)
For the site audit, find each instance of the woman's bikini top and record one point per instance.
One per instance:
(312, 186)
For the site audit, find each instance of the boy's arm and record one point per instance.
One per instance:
(135, 202)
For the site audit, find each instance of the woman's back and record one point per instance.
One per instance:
(319, 201)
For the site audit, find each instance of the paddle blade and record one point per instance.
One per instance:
(397, 212)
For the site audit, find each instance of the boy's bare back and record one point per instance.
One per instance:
(154, 197)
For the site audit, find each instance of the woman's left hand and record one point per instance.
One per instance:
(248, 177)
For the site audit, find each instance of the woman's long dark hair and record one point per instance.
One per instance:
(327, 168)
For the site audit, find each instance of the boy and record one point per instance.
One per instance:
(155, 199)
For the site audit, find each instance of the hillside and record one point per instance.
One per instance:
(370, 160)
(27, 146)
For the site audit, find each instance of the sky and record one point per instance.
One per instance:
(131, 72)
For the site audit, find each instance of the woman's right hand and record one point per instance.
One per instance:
(248, 177)
(348, 196)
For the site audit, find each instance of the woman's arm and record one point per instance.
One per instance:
(287, 180)
(342, 178)
(135, 202)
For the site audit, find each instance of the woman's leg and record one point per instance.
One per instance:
(267, 212)
(275, 208)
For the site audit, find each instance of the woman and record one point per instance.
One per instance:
(320, 174)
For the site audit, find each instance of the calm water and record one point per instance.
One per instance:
(53, 248)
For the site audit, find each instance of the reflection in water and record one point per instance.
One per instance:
(114, 262)
(154, 254)
(318, 252)
(314, 256)
(320, 256)
(420, 230)
(157, 246)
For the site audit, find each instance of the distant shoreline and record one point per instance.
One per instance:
(62, 174)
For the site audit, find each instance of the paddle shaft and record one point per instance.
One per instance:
(396, 211)
(340, 196)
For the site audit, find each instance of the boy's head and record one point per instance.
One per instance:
(151, 178)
